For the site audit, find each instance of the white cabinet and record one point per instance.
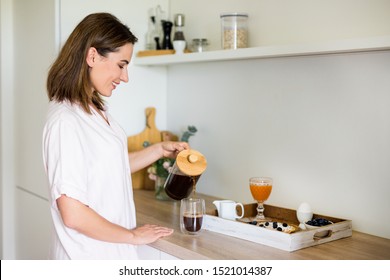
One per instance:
(166, 256)
(34, 226)
(34, 32)
(147, 252)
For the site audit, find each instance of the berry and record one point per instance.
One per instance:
(318, 222)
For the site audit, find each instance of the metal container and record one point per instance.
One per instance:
(199, 45)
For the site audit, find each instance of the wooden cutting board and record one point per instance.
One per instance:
(136, 142)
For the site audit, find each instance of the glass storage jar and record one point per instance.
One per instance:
(199, 45)
(234, 30)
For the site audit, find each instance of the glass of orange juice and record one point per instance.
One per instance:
(261, 188)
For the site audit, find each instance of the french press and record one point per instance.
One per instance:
(185, 173)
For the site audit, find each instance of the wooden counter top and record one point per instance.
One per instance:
(211, 245)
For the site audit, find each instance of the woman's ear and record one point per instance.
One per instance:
(91, 56)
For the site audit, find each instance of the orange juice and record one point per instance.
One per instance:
(260, 192)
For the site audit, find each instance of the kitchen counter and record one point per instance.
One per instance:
(211, 245)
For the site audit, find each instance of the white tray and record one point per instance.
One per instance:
(277, 239)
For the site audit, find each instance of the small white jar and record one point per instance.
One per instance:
(179, 46)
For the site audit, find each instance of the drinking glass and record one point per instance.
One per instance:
(191, 215)
(261, 188)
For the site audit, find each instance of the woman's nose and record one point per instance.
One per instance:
(124, 76)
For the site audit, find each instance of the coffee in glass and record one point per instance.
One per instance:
(191, 215)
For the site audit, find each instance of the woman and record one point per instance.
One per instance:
(85, 150)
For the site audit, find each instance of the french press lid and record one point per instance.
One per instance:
(191, 162)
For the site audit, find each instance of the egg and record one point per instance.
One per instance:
(304, 207)
(304, 214)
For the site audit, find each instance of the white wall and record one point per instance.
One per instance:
(287, 22)
(35, 49)
(7, 132)
(318, 125)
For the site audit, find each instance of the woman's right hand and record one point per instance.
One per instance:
(149, 233)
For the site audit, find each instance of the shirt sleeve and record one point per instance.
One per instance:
(65, 162)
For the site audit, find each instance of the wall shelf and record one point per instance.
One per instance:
(345, 46)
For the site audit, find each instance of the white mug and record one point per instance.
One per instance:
(227, 209)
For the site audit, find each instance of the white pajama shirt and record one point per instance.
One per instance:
(87, 159)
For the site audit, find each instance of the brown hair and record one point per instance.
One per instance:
(68, 77)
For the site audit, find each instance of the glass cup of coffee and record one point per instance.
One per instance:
(191, 215)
